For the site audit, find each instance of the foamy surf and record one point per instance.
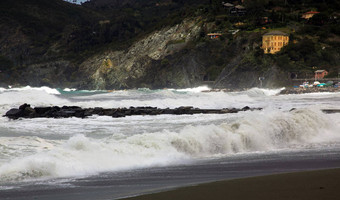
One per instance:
(81, 155)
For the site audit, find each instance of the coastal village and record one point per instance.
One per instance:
(273, 41)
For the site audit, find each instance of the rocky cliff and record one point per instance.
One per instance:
(132, 67)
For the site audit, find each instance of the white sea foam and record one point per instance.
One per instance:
(43, 88)
(255, 92)
(36, 97)
(46, 148)
(70, 89)
(80, 155)
(194, 90)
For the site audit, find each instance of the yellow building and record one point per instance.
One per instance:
(272, 42)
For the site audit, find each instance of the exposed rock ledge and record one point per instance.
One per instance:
(26, 111)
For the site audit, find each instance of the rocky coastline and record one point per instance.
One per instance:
(26, 111)
(288, 90)
(309, 90)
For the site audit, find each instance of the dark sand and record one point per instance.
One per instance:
(311, 185)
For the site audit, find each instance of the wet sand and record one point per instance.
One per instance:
(310, 185)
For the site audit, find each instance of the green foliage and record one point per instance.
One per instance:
(5, 63)
(333, 74)
(213, 72)
(176, 41)
(165, 62)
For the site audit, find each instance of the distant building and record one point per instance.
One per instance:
(238, 24)
(272, 42)
(309, 14)
(264, 20)
(214, 35)
(320, 74)
(102, 22)
(227, 5)
(238, 10)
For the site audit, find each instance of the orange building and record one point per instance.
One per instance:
(272, 42)
(309, 14)
(320, 74)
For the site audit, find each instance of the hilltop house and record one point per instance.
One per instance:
(234, 10)
(238, 10)
(309, 14)
(272, 42)
(227, 5)
(214, 35)
(320, 74)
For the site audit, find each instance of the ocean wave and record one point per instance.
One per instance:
(44, 96)
(260, 92)
(266, 130)
(43, 88)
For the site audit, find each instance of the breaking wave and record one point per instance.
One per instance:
(45, 96)
(257, 131)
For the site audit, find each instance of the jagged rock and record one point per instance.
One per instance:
(14, 113)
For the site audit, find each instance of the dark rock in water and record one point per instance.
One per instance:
(233, 110)
(331, 111)
(25, 111)
(28, 111)
(42, 110)
(14, 113)
(245, 108)
(23, 106)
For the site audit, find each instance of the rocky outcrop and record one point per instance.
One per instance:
(128, 69)
(25, 111)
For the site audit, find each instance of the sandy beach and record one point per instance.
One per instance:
(310, 185)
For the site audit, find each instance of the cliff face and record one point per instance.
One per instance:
(132, 68)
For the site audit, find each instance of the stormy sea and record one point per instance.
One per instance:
(101, 157)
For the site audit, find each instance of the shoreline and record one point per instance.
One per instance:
(286, 90)
(308, 90)
(312, 185)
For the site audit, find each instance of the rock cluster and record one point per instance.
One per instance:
(330, 111)
(308, 90)
(26, 111)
